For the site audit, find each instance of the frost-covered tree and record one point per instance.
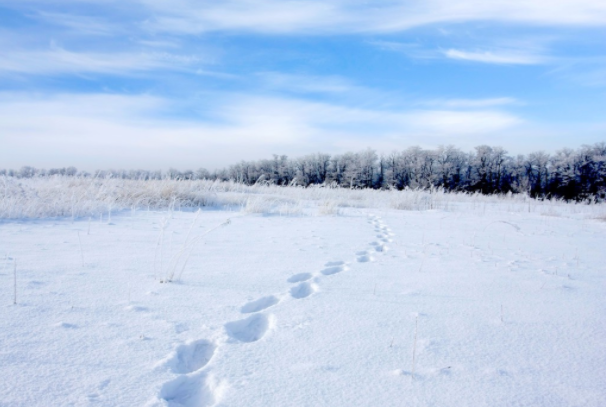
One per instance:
(570, 174)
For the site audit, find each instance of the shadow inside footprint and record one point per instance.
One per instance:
(199, 390)
(332, 270)
(260, 304)
(192, 356)
(302, 290)
(250, 329)
(297, 278)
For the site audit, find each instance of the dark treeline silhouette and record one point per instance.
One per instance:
(569, 174)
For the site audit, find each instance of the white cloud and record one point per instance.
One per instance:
(339, 16)
(268, 16)
(100, 131)
(514, 50)
(59, 61)
(470, 103)
(449, 122)
(332, 16)
(82, 24)
(498, 57)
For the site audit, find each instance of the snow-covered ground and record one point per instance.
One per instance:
(371, 307)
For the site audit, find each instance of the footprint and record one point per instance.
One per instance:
(35, 284)
(333, 270)
(260, 304)
(102, 385)
(191, 356)
(65, 325)
(250, 329)
(363, 257)
(136, 308)
(297, 278)
(381, 248)
(334, 263)
(302, 290)
(198, 390)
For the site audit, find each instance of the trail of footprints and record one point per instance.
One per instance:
(195, 385)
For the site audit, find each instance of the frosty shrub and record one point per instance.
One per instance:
(84, 197)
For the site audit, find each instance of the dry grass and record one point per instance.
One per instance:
(75, 197)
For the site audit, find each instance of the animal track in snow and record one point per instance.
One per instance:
(302, 290)
(260, 304)
(250, 329)
(191, 356)
(136, 308)
(66, 325)
(363, 257)
(198, 390)
(297, 278)
(381, 248)
(334, 269)
(335, 263)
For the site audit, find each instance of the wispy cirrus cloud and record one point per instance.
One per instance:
(316, 17)
(60, 61)
(266, 16)
(526, 52)
(338, 16)
(501, 57)
(589, 72)
(82, 24)
(470, 103)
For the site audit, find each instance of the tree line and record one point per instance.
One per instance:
(569, 174)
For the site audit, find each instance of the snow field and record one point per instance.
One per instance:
(300, 310)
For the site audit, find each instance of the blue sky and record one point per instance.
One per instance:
(187, 84)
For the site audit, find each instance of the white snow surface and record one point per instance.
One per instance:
(367, 308)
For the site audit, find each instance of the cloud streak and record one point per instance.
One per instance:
(338, 16)
(312, 17)
(498, 57)
(60, 61)
(82, 24)
(471, 103)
